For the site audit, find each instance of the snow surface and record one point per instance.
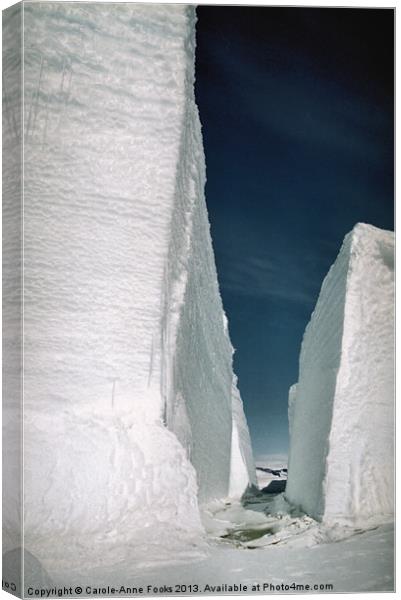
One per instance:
(263, 542)
(132, 413)
(341, 461)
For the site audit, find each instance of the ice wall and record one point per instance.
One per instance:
(242, 473)
(130, 396)
(341, 465)
(292, 395)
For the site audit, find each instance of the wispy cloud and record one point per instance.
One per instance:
(308, 108)
(281, 278)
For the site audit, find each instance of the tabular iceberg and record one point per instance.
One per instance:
(341, 412)
(132, 412)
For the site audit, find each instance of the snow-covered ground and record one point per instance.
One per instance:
(256, 544)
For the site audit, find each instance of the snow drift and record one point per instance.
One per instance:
(341, 412)
(132, 413)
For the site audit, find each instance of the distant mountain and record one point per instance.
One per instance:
(275, 472)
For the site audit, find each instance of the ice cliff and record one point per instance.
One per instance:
(132, 413)
(341, 412)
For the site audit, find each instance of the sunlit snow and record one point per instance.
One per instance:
(341, 413)
(138, 467)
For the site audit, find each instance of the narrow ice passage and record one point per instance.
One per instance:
(134, 429)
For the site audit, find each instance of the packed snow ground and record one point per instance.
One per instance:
(259, 545)
(261, 542)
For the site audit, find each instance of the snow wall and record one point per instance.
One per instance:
(132, 413)
(341, 412)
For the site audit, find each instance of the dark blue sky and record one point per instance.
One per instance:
(296, 106)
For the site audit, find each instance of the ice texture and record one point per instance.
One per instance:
(292, 394)
(131, 403)
(341, 465)
(242, 464)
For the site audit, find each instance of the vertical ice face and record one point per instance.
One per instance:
(197, 367)
(105, 101)
(129, 392)
(292, 395)
(242, 473)
(341, 444)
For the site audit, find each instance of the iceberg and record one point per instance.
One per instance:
(132, 414)
(341, 411)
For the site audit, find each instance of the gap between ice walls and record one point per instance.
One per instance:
(132, 412)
